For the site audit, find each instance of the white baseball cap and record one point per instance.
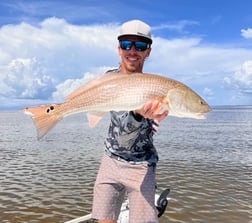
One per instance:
(136, 28)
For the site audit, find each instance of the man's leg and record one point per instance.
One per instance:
(108, 192)
(142, 183)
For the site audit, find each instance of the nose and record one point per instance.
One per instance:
(133, 49)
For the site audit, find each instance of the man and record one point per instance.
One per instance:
(129, 163)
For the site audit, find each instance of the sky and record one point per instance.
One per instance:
(48, 48)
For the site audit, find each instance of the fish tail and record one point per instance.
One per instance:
(45, 117)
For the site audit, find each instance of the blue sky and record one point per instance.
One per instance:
(50, 47)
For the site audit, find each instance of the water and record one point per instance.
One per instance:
(207, 164)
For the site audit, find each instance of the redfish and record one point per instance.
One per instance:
(121, 92)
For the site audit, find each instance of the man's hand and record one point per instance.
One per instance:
(153, 109)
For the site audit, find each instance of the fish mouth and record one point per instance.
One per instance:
(203, 115)
(193, 115)
(27, 112)
(200, 115)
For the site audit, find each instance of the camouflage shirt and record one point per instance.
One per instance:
(130, 139)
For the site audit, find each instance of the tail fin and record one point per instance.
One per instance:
(45, 117)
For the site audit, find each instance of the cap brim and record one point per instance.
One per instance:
(142, 37)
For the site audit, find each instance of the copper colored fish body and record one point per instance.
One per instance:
(120, 92)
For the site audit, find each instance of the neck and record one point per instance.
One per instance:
(124, 70)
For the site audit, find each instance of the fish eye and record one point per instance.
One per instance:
(202, 102)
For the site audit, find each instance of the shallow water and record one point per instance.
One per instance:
(206, 163)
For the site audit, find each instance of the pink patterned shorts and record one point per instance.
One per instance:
(114, 179)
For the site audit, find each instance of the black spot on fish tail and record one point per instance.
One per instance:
(51, 108)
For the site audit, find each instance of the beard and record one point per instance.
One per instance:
(134, 67)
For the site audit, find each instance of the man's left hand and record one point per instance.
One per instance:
(153, 109)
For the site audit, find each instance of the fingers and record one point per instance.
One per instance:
(153, 109)
(161, 117)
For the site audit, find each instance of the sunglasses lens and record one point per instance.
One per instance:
(139, 45)
(126, 44)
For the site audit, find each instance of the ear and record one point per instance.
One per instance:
(119, 50)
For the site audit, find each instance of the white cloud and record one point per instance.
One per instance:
(60, 45)
(47, 61)
(242, 79)
(25, 78)
(189, 60)
(208, 92)
(35, 59)
(246, 33)
(66, 87)
(178, 26)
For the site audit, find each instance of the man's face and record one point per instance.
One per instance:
(132, 60)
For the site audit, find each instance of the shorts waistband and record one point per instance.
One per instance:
(122, 159)
(116, 157)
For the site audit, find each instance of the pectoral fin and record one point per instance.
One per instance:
(94, 118)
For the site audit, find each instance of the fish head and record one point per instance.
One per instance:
(184, 102)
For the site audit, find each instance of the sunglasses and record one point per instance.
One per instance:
(139, 45)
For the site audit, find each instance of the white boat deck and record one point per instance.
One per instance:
(123, 218)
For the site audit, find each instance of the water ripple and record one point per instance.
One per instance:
(206, 164)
